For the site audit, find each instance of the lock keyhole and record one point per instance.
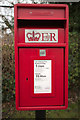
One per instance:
(26, 78)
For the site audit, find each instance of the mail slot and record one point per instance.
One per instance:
(41, 56)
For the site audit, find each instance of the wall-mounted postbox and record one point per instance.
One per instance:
(41, 56)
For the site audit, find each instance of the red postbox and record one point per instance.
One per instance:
(41, 56)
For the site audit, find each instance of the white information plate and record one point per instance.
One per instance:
(42, 76)
(41, 35)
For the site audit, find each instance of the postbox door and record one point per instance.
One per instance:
(27, 96)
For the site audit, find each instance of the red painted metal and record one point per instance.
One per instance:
(41, 16)
(40, 13)
(21, 34)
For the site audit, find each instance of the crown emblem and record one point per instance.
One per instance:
(33, 36)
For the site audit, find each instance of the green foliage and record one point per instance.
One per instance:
(73, 60)
(8, 70)
(74, 17)
(70, 112)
